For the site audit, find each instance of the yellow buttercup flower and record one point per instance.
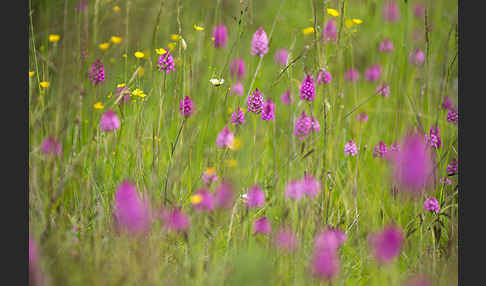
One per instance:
(175, 37)
(171, 46)
(139, 55)
(332, 12)
(137, 92)
(198, 28)
(231, 163)
(160, 51)
(116, 9)
(211, 171)
(44, 84)
(104, 46)
(31, 74)
(196, 199)
(140, 72)
(115, 39)
(236, 144)
(357, 21)
(53, 38)
(98, 105)
(348, 23)
(308, 30)
(120, 85)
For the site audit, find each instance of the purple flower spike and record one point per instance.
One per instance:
(176, 220)
(204, 201)
(238, 117)
(394, 147)
(363, 117)
(131, 213)
(391, 12)
(452, 167)
(352, 75)
(259, 43)
(416, 57)
(446, 104)
(452, 115)
(262, 226)
(237, 68)
(209, 176)
(285, 240)
(315, 125)
(323, 77)
(310, 186)
(350, 148)
(281, 57)
(81, 6)
(35, 274)
(417, 281)
(418, 10)
(413, 165)
(97, 73)
(434, 137)
(220, 36)
(308, 89)
(386, 244)
(287, 97)
(432, 205)
(268, 111)
(383, 89)
(166, 63)
(225, 138)
(109, 121)
(303, 125)
(186, 107)
(51, 146)
(380, 150)
(125, 92)
(237, 89)
(255, 197)
(325, 264)
(386, 46)
(329, 240)
(330, 31)
(255, 102)
(445, 181)
(373, 73)
(224, 195)
(294, 190)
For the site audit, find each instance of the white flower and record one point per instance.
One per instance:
(216, 82)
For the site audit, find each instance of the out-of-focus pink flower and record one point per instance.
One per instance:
(255, 197)
(225, 138)
(391, 12)
(281, 57)
(176, 220)
(386, 244)
(285, 240)
(261, 225)
(131, 213)
(224, 195)
(413, 165)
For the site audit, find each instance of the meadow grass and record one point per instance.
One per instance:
(76, 188)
